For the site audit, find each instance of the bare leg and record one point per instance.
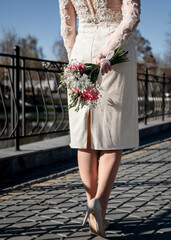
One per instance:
(108, 167)
(87, 163)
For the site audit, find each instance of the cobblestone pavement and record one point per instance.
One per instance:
(139, 205)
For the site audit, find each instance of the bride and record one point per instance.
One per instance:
(103, 26)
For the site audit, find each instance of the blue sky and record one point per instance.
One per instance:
(41, 19)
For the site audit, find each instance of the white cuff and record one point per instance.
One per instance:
(103, 61)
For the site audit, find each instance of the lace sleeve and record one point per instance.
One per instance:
(68, 24)
(131, 18)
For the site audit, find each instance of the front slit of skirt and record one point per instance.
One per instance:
(89, 130)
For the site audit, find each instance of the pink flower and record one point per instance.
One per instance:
(75, 90)
(73, 66)
(77, 67)
(81, 66)
(90, 94)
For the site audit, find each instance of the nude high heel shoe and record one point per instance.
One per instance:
(107, 224)
(96, 221)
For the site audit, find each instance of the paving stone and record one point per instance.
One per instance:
(15, 208)
(136, 203)
(49, 225)
(33, 193)
(24, 224)
(37, 208)
(13, 230)
(116, 216)
(80, 235)
(21, 197)
(3, 205)
(36, 218)
(54, 201)
(9, 203)
(141, 214)
(20, 238)
(60, 198)
(4, 225)
(22, 214)
(128, 224)
(4, 214)
(49, 236)
(79, 209)
(62, 232)
(127, 208)
(29, 202)
(112, 235)
(47, 213)
(79, 219)
(67, 229)
(58, 219)
(69, 214)
(67, 205)
(10, 220)
(34, 232)
(5, 235)
(151, 206)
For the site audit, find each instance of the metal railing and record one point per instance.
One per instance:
(154, 96)
(30, 106)
(29, 103)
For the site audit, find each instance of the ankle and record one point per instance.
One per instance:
(89, 197)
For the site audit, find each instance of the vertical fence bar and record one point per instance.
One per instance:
(163, 97)
(23, 99)
(16, 86)
(146, 96)
(12, 100)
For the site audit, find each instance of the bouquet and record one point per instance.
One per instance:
(80, 79)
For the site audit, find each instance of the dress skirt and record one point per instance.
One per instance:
(114, 124)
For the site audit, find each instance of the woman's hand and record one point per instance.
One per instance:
(105, 68)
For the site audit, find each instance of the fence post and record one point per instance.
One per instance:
(16, 87)
(146, 96)
(163, 97)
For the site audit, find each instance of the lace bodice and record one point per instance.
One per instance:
(124, 12)
(95, 11)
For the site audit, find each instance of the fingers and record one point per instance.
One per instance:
(106, 68)
(98, 61)
(104, 63)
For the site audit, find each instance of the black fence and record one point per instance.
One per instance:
(154, 96)
(30, 106)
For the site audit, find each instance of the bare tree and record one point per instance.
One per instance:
(8, 41)
(29, 47)
(168, 45)
(59, 51)
(29, 44)
(143, 48)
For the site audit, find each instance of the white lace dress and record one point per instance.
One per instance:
(103, 26)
